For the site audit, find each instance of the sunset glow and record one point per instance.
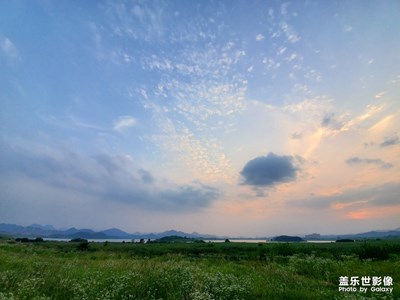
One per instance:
(230, 117)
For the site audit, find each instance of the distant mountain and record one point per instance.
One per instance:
(88, 235)
(375, 234)
(115, 232)
(73, 230)
(37, 230)
(7, 228)
(44, 227)
(48, 231)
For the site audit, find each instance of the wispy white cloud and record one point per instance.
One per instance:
(200, 154)
(9, 49)
(124, 122)
(281, 50)
(284, 8)
(156, 63)
(70, 121)
(312, 74)
(197, 97)
(313, 107)
(347, 28)
(290, 33)
(133, 20)
(379, 95)
(259, 37)
(270, 63)
(103, 50)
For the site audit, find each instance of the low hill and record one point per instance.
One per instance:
(287, 238)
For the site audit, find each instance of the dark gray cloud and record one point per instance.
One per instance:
(327, 120)
(297, 136)
(381, 195)
(368, 161)
(146, 176)
(390, 141)
(105, 177)
(269, 170)
(369, 144)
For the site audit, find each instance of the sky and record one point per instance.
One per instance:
(239, 118)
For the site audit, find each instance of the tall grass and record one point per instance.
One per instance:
(60, 271)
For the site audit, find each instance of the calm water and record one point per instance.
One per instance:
(261, 241)
(237, 241)
(97, 240)
(137, 240)
(321, 241)
(207, 241)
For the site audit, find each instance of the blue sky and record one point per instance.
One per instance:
(229, 117)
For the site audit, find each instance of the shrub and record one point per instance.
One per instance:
(83, 246)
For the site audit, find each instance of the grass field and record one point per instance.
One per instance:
(61, 270)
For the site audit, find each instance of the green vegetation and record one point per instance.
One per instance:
(190, 270)
(287, 238)
(345, 241)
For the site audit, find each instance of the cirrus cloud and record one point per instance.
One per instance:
(9, 49)
(124, 122)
